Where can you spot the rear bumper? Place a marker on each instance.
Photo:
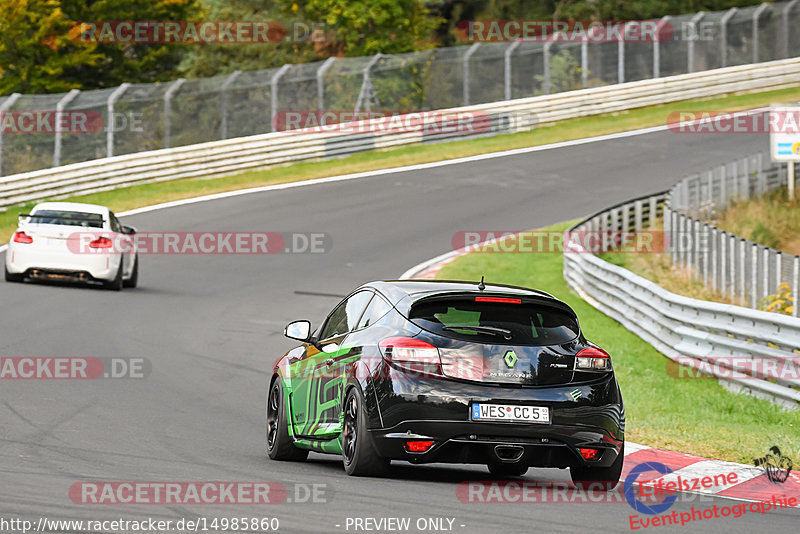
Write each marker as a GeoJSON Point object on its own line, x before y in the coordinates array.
{"type": "Point", "coordinates": [587, 415]}
{"type": "Point", "coordinates": [35, 261]}
{"type": "Point", "coordinates": [483, 443]}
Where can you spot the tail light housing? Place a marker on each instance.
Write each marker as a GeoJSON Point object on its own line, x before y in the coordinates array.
{"type": "Point", "coordinates": [22, 237]}
{"type": "Point", "coordinates": [593, 359]}
{"type": "Point", "coordinates": [101, 242]}
{"type": "Point", "coordinates": [589, 454]}
{"type": "Point", "coordinates": [412, 354]}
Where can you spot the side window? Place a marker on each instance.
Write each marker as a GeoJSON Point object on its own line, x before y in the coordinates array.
{"type": "Point", "coordinates": [115, 225]}
{"type": "Point", "coordinates": [377, 308]}
{"type": "Point", "coordinates": [346, 315]}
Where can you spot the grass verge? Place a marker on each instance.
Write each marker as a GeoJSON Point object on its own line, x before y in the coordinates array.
{"type": "Point", "coordinates": [696, 416]}
{"type": "Point", "coordinates": [147, 194]}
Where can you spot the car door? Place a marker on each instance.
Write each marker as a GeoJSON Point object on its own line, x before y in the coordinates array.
{"type": "Point", "coordinates": [316, 401]}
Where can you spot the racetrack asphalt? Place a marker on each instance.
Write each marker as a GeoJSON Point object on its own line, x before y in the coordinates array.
{"type": "Point", "coordinates": [211, 327]}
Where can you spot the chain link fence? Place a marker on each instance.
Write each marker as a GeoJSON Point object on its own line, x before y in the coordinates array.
{"type": "Point", "coordinates": [140, 117]}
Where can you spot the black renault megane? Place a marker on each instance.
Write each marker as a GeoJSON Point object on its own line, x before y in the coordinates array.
{"type": "Point", "coordinates": [454, 372]}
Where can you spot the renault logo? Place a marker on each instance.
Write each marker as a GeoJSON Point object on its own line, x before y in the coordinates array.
{"type": "Point", "coordinates": [510, 358]}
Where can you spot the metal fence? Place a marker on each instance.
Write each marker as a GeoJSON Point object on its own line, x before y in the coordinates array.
{"type": "Point", "coordinates": [724, 262]}
{"type": "Point", "coordinates": [749, 351]}
{"type": "Point", "coordinates": [141, 117]}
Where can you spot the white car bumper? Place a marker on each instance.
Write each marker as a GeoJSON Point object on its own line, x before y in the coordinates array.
{"type": "Point", "coordinates": [24, 257]}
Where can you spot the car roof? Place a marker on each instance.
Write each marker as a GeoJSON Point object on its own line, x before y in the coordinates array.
{"type": "Point", "coordinates": [404, 293]}
{"type": "Point", "coordinates": [71, 206]}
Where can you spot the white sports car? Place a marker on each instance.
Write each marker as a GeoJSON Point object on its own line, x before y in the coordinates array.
{"type": "Point", "coordinates": [72, 241]}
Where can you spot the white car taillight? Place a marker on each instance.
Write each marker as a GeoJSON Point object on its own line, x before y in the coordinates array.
{"type": "Point", "coordinates": [593, 358]}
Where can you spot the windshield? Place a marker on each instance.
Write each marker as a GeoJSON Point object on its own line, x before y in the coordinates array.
{"type": "Point", "coordinates": [495, 322]}
{"type": "Point", "coordinates": [67, 218]}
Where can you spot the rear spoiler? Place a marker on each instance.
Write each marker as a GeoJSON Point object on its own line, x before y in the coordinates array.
{"type": "Point", "coordinates": [87, 219]}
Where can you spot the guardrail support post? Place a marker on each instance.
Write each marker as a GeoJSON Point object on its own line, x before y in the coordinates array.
{"type": "Point", "coordinates": [692, 38]}
{"type": "Point", "coordinates": [168, 108]}
{"type": "Point", "coordinates": [584, 63]}
{"type": "Point", "coordinates": [465, 71]}
{"type": "Point", "coordinates": [328, 63]}
{"type": "Point", "coordinates": [778, 269]}
{"type": "Point", "coordinates": [111, 123]}
{"type": "Point", "coordinates": [273, 95]}
{"type": "Point", "coordinates": [765, 274]}
{"type": "Point", "coordinates": [507, 69]}
{"type": "Point", "coordinates": [754, 276]}
{"type": "Point", "coordinates": [621, 55]}
{"type": "Point", "coordinates": [223, 125]}
{"type": "Point", "coordinates": [714, 271]}
{"type": "Point", "coordinates": [723, 38]}
{"type": "Point", "coordinates": [757, 15]}
{"type": "Point", "coordinates": [742, 263]}
{"type": "Point", "coordinates": [7, 103]}
{"type": "Point", "coordinates": [64, 102]}
{"type": "Point", "coordinates": [732, 243]}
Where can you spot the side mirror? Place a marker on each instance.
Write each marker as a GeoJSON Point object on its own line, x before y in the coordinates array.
{"type": "Point", "coordinates": [128, 230]}
{"type": "Point", "coordinates": [299, 330]}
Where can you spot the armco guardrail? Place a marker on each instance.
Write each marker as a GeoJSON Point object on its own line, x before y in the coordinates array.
{"type": "Point", "coordinates": [262, 151]}
{"type": "Point", "coordinates": [726, 341]}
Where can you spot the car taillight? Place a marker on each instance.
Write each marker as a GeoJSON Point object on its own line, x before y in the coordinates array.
{"type": "Point", "coordinates": [593, 358]}
{"type": "Point", "coordinates": [588, 454]}
{"type": "Point", "coordinates": [22, 237]}
{"type": "Point", "coordinates": [418, 446]}
{"type": "Point", "coordinates": [412, 354]}
{"type": "Point", "coordinates": [100, 242]}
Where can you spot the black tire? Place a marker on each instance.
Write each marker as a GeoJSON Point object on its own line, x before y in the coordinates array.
{"type": "Point", "coordinates": [13, 277]}
{"type": "Point", "coordinates": [278, 441]}
{"type": "Point", "coordinates": [116, 283]}
{"type": "Point", "coordinates": [507, 470]}
{"type": "Point", "coordinates": [358, 451]}
{"type": "Point", "coordinates": [134, 279]}
{"type": "Point", "coordinates": [607, 476]}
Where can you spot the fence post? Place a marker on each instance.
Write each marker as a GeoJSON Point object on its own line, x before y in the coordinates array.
{"type": "Point", "coordinates": [223, 125]}
{"type": "Point", "coordinates": [657, 47]}
{"type": "Point", "coordinates": [746, 171]}
{"type": "Point", "coordinates": [654, 212]}
{"type": "Point", "coordinates": [778, 269]}
{"type": "Point", "coordinates": [765, 274]}
{"type": "Point", "coordinates": [621, 55]}
{"type": "Point", "coordinates": [683, 235]}
{"type": "Point", "coordinates": [168, 108]}
{"type": "Point", "coordinates": [692, 38]}
{"type": "Point", "coordinates": [723, 23]}
{"type": "Point", "coordinates": [585, 63]}
{"type": "Point", "coordinates": [64, 102]}
{"type": "Point", "coordinates": [111, 123]}
{"type": "Point", "coordinates": [697, 248]}
{"type": "Point", "coordinates": [714, 270]}
{"type": "Point", "coordinates": [320, 75]}
{"type": "Point", "coordinates": [795, 284]}
{"type": "Point", "coordinates": [742, 264]}
{"type": "Point", "coordinates": [625, 215]}
{"type": "Point", "coordinates": [723, 263]}
{"type": "Point", "coordinates": [735, 180]}
{"type": "Point", "coordinates": [723, 189]}
{"type": "Point", "coordinates": [706, 266]}
{"type": "Point", "coordinates": [507, 70]}
{"type": "Point", "coordinates": [637, 216]}
{"type": "Point", "coordinates": [7, 103]}
{"type": "Point", "coordinates": [754, 276]}
{"type": "Point", "coordinates": [273, 95]}
{"type": "Point", "coordinates": [546, 57]}
{"type": "Point", "coordinates": [786, 12]}
{"type": "Point", "coordinates": [465, 71]}
{"type": "Point", "coordinates": [756, 15]}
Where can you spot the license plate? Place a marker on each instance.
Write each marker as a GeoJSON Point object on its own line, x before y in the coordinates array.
{"type": "Point", "coordinates": [512, 413]}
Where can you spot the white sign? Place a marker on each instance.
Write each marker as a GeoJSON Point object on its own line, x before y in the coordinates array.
{"type": "Point", "coordinates": [784, 141]}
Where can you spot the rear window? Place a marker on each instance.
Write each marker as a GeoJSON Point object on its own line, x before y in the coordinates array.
{"type": "Point", "coordinates": [67, 218]}
{"type": "Point", "coordinates": [495, 322]}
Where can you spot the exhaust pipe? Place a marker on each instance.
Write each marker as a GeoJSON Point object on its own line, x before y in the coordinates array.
{"type": "Point", "coordinates": [508, 453]}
